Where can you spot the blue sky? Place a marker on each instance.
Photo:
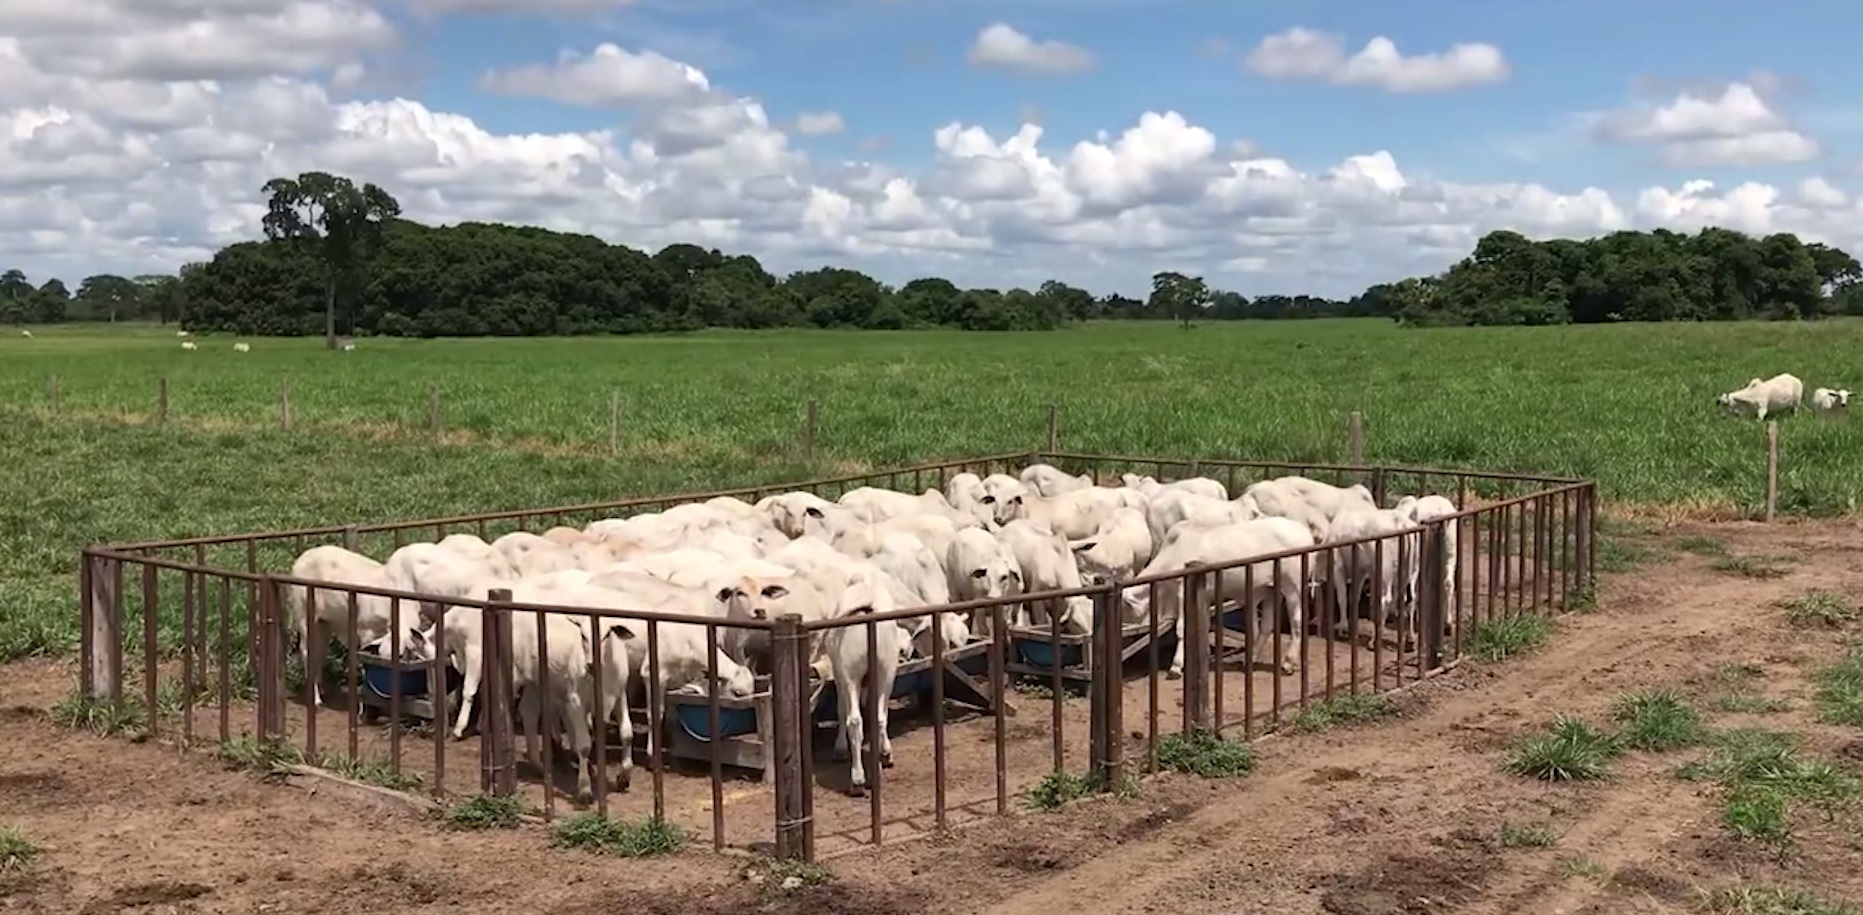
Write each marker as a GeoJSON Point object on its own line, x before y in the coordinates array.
{"type": "Point", "coordinates": [1642, 100]}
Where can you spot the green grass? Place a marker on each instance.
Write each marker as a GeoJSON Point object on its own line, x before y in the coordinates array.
{"type": "Point", "coordinates": [593, 832]}
{"type": "Point", "coordinates": [1205, 754]}
{"type": "Point", "coordinates": [1734, 690]}
{"type": "Point", "coordinates": [1756, 567]}
{"type": "Point", "coordinates": [1701, 546]}
{"type": "Point", "coordinates": [483, 811]}
{"type": "Point", "coordinates": [1527, 835]}
{"type": "Point", "coordinates": [1581, 866]}
{"type": "Point", "coordinates": [1826, 609]}
{"type": "Point", "coordinates": [1763, 777]}
{"type": "Point", "coordinates": [1500, 639]}
{"type": "Point", "coordinates": [17, 853]}
{"type": "Point", "coordinates": [372, 770]}
{"type": "Point", "coordinates": [99, 716]}
{"type": "Point", "coordinates": [1748, 899]}
{"type": "Point", "coordinates": [1839, 695]}
{"type": "Point", "coordinates": [528, 421]}
{"type": "Point", "coordinates": [1571, 750]}
{"type": "Point", "coordinates": [1060, 787]}
{"type": "Point", "coordinates": [1656, 721]}
{"type": "Point", "coordinates": [1343, 710]}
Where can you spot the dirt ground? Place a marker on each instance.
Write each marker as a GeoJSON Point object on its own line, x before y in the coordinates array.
{"type": "Point", "coordinates": [1400, 817]}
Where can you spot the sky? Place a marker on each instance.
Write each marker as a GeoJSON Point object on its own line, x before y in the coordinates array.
{"type": "Point", "coordinates": [1270, 146]}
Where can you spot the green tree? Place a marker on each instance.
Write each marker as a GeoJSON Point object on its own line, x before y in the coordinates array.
{"type": "Point", "coordinates": [108, 295]}
{"type": "Point", "coordinates": [1175, 295]}
{"type": "Point", "coordinates": [51, 301]}
{"type": "Point", "coordinates": [335, 220]}
{"type": "Point", "coordinates": [14, 293]}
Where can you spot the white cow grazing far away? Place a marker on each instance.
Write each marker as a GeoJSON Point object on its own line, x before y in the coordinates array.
{"type": "Point", "coordinates": [1773, 396]}
{"type": "Point", "coordinates": [189, 345]}
{"type": "Point", "coordinates": [26, 333]}
{"type": "Point", "coordinates": [1830, 399]}
{"type": "Point", "coordinates": [242, 347]}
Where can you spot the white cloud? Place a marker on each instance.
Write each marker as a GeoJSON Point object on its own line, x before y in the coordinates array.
{"type": "Point", "coordinates": [104, 170]}
{"type": "Point", "coordinates": [609, 75]}
{"type": "Point", "coordinates": [1734, 126]}
{"type": "Point", "coordinates": [819, 123]}
{"type": "Point", "coordinates": [521, 6]}
{"type": "Point", "coordinates": [1000, 46]}
{"type": "Point", "coordinates": [1301, 54]}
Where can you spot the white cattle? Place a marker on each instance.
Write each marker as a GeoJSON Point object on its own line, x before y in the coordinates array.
{"type": "Point", "coordinates": [861, 540]}
{"type": "Point", "coordinates": [1435, 508]}
{"type": "Point", "coordinates": [429, 568]}
{"type": "Point", "coordinates": [1119, 549]}
{"type": "Point", "coordinates": [1204, 545]}
{"type": "Point", "coordinates": [788, 510]}
{"type": "Point", "coordinates": [1000, 490]}
{"type": "Point", "coordinates": [242, 347]}
{"type": "Point", "coordinates": [685, 566]}
{"type": "Point", "coordinates": [565, 536]}
{"type": "Point", "coordinates": [1049, 480]}
{"type": "Point", "coordinates": [912, 563]}
{"type": "Point", "coordinates": [760, 598]}
{"type": "Point", "coordinates": [965, 492]}
{"type": "Point", "coordinates": [1072, 515]}
{"type": "Point", "coordinates": [856, 672]}
{"type": "Point", "coordinates": [1387, 566]}
{"type": "Point", "coordinates": [1150, 487]}
{"type": "Point", "coordinates": [1172, 507]}
{"type": "Point", "coordinates": [872, 504]}
{"type": "Point", "coordinates": [979, 568]}
{"type": "Point", "coordinates": [189, 345]}
{"type": "Point", "coordinates": [529, 554]}
{"type": "Point", "coordinates": [339, 566]}
{"type": "Point", "coordinates": [181, 333]}
{"type": "Point", "coordinates": [1775, 395]}
{"type": "Point", "coordinates": [1047, 565]}
{"type": "Point", "coordinates": [1309, 502]}
{"type": "Point", "coordinates": [26, 333]}
{"type": "Point", "coordinates": [1829, 399]}
{"type": "Point", "coordinates": [349, 347]}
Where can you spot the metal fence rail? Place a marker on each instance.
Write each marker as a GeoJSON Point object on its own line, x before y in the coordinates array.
{"type": "Point", "coordinates": [202, 630]}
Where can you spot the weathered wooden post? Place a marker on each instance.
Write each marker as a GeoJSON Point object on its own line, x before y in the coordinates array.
{"type": "Point", "coordinates": [1772, 470]}
{"type": "Point", "coordinates": [788, 646]}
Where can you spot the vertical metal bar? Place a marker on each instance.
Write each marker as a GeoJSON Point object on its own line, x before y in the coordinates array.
{"type": "Point", "coordinates": [394, 688]}
{"type": "Point", "coordinates": [437, 691]}
{"type": "Point", "coordinates": [226, 659]}
{"type": "Point", "coordinates": [1496, 519]}
{"type": "Point", "coordinates": [1378, 616]}
{"type": "Point", "coordinates": [597, 678]}
{"type": "Point", "coordinates": [656, 708]}
{"type": "Point", "coordinates": [876, 732]}
{"type": "Point", "coordinates": [1328, 623]}
{"type": "Point", "coordinates": [314, 657]}
{"type": "Point", "coordinates": [1521, 595]}
{"type": "Point", "coordinates": [937, 684]}
{"type": "Point", "coordinates": [1055, 688]}
{"type": "Point", "coordinates": [1219, 649]}
{"type": "Point", "coordinates": [999, 688]}
{"type": "Point", "coordinates": [1151, 680]}
{"type": "Point", "coordinates": [1306, 619]}
{"type": "Point", "coordinates": [711, 745]}
{"type": "Point", "coordinates": [541, 644]}
{"type": "Point", "coordinates": [1350, 598]}
{"type": "Point", "coordinates": [1565, 548]}
{"type": "Point", "coordinates": [1054, 428]}
{"type": "Point", "coordinates": [352, 690]}
{"type": "Point", "coordinates": [187, 657]}
{"type": "Point", "coordinates": [1274, 663]}
{"type": "Point", "coordinates": [150, 602]}
{"type": "Point", "coordinates": [87, 626]}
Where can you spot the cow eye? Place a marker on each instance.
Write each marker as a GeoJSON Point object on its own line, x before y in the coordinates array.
{"type": "Point", "coordinates": [775, 592]}
{"type": "Point", "coordinates": [979, 573]}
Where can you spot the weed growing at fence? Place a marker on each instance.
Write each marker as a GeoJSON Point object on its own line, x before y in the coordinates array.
{"type": "Point", "coordinates": [1840, 690]}
{"type": "Point", "coordinates": [1058, 788]}
{"type": "Point", "coordinates": [371, 770]}
{"type": "Point", "coordinates": [1762, 775]}
{"type": "Point", "coordinates": [17, 853]}
{"type": "Point", "coordinates": [98, 716]}
{"type": "Point", "coordinates": [1656, 720]}
{"type": "Point", "coordinates": [1527, 835]}
{"type": "Point", "coordinates": [1734, 686]}
{"type": "Point", "coordinates": [1582, 866]}
{"type": "Point", "coordinates": [1748, 899]}
{"type": "Point", "coordinates": [1824, 609]}
{"type": "Point", "coordinates": [1756, 567]}
{"type": "Point", "coordinates": [483, 811]}
{"type": "Point", "coordinates": [1571, 750]}
{"type": "Point", "coordinates": [1500, 639]}
{"type": "Point", "coordinates": [269, 755]}
{"type": "Point", "coordinates": [593, 832]}
{"type": "Point", "coordinates": [1206, 754]}
{"type": "Point", "coordinates": [785, 874]}
{"type": "Point", "coordinates": [1343, 710]}
{"type": "Point", "coordinates": [1700, 545]}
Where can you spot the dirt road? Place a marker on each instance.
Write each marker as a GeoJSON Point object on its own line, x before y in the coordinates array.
{"type": "Point", "coordinates": [1402, 817]}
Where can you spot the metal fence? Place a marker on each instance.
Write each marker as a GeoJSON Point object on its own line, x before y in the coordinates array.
{"type": "Point", "coordinates": [201, 626]}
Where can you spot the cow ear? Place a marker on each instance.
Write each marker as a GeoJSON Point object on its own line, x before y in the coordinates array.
{"type": "Point", "coordinates": [1083, 545]}
{"type": "Point", "coordinates": [724, 595]}
{"type": "Point", "coordinates": [621, 629]}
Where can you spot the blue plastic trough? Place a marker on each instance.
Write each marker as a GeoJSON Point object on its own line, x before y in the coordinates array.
{"type": "Point", "coordinates": [696, 719]}
{"type": "Point", "coordinates": [379, 678]}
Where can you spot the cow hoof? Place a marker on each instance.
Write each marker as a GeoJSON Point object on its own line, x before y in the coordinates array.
{"type": "Point", "coordinates": [857, 791]}
{"type": "Point", "coordinates": [1174, 674]}
{"type": "Point", "coordinates": [886, 762]}
{"type": "Point", "coordinates": [838, 754]}
{"type": "Point", "coordinates": [1289, 669]}
{"type": "Point", "coordinates": [624, 781]}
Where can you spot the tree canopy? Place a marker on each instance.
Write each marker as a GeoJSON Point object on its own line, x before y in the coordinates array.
{"type": "Point", "coordinates": [337, 257]}
{"type": "Point", "coordinates": [1712, 275]}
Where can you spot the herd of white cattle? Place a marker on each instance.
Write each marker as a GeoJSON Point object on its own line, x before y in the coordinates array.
{"type": "Point", "coordinates": [1781, 394]}
{"type": "Point", "coordinates": [872, 551]}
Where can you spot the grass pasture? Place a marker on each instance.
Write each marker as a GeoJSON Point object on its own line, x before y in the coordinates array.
{"type": "Point", "coordinates": [527, 419]}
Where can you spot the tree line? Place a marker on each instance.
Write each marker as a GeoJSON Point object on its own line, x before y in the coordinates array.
{"type": "Point", "coordinates": [1712, 275]}
{"type": "Point", "coordinates": [338, 258]}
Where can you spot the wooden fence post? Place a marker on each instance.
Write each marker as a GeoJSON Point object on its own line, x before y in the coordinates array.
{"type": "Point", "coordinates": [1108, 692]}
{"type": "Point", "coordinates": [1355, 439]}
{"type": "Point", "coordinates": [105, 628]}
{"type": "Point", "coordinates": [51, 394]}
{"type": "Point", "coordinates": [786, 733]}
{"type": "Point", "coordinates": [499, 756]}
{"type": "Point", "coordinates": [284, 404]}
{"type": "Point", "coordinates": [614, 422]}
{"type": "Point", "coordinates": [433, 409]}
{"type": "Point", "coordinates": [1772, 470]}
{"type": "Point", "coordinates": [1196, 620]}
{"type": "Point", "coordinates": [809, 417]}
{"type": "Point", "coordinates": [1054, 428]}
{"type": "Point", "coordinates": [161, 399]}
{"type": "Point", "coordinates": [1431, 599]}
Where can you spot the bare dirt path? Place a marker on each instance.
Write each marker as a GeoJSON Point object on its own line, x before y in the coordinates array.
{"type": "Point", "coordinates": [1402, 817]}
